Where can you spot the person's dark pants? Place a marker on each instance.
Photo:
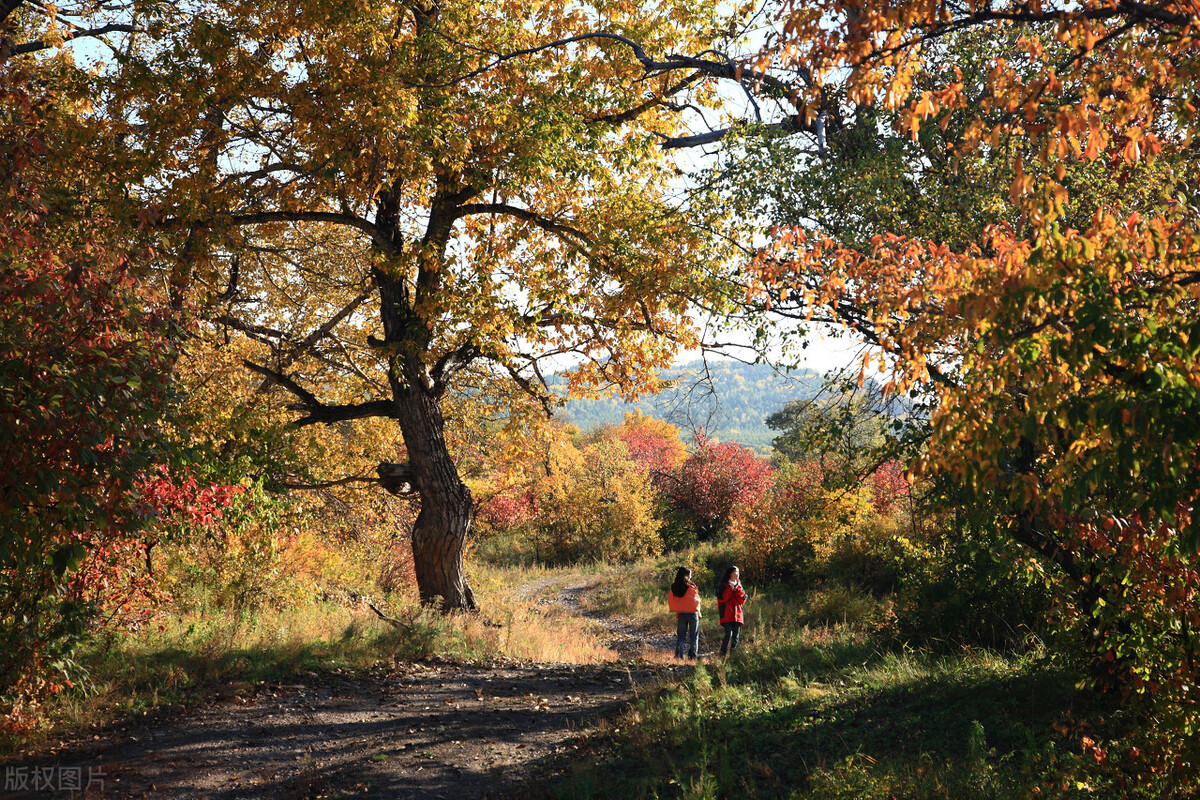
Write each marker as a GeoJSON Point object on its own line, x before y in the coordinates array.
{"type": "Point", "coordinates": [687, 627]}
{"type": "Point", "coordinates": [732, 631]}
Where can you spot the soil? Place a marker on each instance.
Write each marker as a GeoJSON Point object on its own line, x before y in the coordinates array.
{"type": "Point", "coordinates": [417, 730]}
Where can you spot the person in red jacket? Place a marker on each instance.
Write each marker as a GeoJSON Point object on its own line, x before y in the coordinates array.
{"type": "Point", "coordinates": [732, 597]}
{"type": "Point", "coordinates": [684, 599]}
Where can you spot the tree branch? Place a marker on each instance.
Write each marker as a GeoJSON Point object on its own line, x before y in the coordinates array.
{"type": "Point", "coordinates": [544, 223]}
{"type": "Point", "coordinates": [397, 478]}
{"type": "Point", "coordinates": [329, 484]}
{"type": "Point", "coordinates": [528, 387]}
{"type": "Point", "coordinates": [366, 226]}
{"type": "Point", "coordinates": [725, 68]}
{"type": "Point", "coordinates": [318, 411]}
{"type": "Point", "coordinates": [453, 362]}
{"type": "Point", "coordinates": [41, 44]}
{"type": "Point", "coordinates": [622, 117]}
{"type": "Point", "coordinates": [792, 124]}
{"type": "Point", "coordinates": [7, 7]}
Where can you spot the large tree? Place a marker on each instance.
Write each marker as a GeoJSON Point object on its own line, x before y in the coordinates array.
{"type": "Point", "coordinates": [1056, 343]}
{"type": "Point", "coordinates": [1065, 317]}
{"type": "Point", "coordinates": [487, 182]}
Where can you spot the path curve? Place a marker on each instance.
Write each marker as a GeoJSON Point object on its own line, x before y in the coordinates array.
{"type": "Point", "coordinates": [627, 639]}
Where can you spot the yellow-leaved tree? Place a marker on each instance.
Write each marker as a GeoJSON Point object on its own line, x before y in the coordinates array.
{"type": "Point", "coordinates": [397, 199]}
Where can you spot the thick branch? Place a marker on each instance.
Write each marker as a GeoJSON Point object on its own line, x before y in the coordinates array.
{"type": "Point", "coordinates": [453, 362]}
{"type": "Point", "coordinates": [724, 68]}
{"type": "Point", "coordinates": [318, 411]}
{"type": "Point", "coordinates": [349, 220]}
{"type": "Point", "coordinates": [397, 478]}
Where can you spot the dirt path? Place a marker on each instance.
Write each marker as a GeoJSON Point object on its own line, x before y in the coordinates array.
{"type": "Point", "coordinates": [628, 640]}
{"type": "Point", "coordinates": [437, 730]}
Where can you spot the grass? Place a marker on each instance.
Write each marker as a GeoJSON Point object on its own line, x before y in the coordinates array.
{"type": "Point", "coordinates": [822, 702]}
{"type": "Point", "coordinates": [179, 659]}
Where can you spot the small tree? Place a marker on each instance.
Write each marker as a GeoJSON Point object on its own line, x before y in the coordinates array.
{"type": "Point", "coordinates": [717, 481]}
{"type": "Point", "coordinates": [594, 504]}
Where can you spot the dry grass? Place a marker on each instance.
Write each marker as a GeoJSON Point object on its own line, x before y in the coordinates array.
{"type": "Point", "coordinates": [516, 625]}
{"type": "Point", "coordinates": [183, 656]}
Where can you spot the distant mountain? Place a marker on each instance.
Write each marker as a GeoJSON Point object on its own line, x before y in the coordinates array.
{"type": "Point", "coordinates": [732, 405]}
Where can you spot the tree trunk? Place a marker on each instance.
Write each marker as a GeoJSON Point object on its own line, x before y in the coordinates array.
{"type": "Point", "coordinates": [440, 532]}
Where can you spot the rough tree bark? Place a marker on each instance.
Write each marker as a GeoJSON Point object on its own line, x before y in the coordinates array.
{"type": "Point", "coordinates": [440, 533]}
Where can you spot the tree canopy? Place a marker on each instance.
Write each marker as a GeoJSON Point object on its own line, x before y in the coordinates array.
{"type": "Point", "coordinates": [390, 201]}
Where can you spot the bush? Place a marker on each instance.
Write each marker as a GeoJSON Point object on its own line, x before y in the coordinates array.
{"type": "Point", "coordinates": [874, 556]}
{"type": "Point", "coordinates": [235, 564]}
{"type": "Point", "coordinates": [594, 505]}
{"type": "Point", "coordinates": [976, 590]}
{"type": "Point", "coordinates": [792, 529]}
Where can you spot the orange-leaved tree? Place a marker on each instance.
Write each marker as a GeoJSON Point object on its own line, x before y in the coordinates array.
{"type": "Point", "coordinates": [1057, 350]}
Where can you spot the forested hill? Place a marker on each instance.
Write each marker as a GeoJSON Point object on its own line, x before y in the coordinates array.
{"type": "Point", "coordinates": [733, 409]}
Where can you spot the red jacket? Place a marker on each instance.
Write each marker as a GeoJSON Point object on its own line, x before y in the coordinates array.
{"type": "Point", "coordinates": [688, 604]}
{"type": "Point", "coordinates": [734, 597]}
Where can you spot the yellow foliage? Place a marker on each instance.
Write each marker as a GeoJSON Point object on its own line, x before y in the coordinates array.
{"type": "Point", "coordinates": [594, 504]}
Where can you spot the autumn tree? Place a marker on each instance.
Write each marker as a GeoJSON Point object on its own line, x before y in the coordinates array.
{"type": "Point", "coordinates": [85, 355]}
{"type": "Point", "coordinates": [457, 187]}
{"type": "Point", "coordinates": [986, 329]}
{"type": "Point", "coordinates": [655, 445]}
{"type": "Point", "coordinates": [716, 482]}
{"type": "Point", "coordinates": [593, 503]}
{"type": "Point", "coordinates": [1055, 349]}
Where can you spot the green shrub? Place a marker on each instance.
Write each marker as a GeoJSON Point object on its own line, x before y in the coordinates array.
{"type": "Point", "coordinates": [979, 590]}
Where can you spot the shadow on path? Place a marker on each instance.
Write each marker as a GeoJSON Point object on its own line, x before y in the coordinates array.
{"type": "Point", "coordinates": [418, 730]}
